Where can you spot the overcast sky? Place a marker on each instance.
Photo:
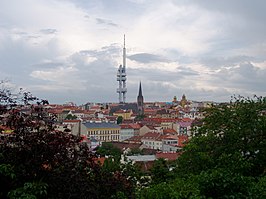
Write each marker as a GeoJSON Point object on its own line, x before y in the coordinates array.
{"type": "Point", "coordinates": [69, 50]}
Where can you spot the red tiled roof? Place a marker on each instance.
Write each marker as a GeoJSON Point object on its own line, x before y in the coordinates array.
{"type": "Point", "coordinates": [125, 126]}
{"type": "Point", "coordinates": [168, 156]}
{"type": "Point", "coordinates": [151, 136]}
{"type": "Point", "coordinates": [135, 126]}
{"type": "Point", "coordinates": [134, 139]}
{"type": "Point", "coordinates": [84, 139]}
{"type": "Point", "coordinates": [182, 139]}
{"type": "Point", "coordinates": [129, 126]}
{"type": "Point", "coordinates": [71, 121]}
{"type": "Point", "coordinates": [186, 120]}
{"type": "Point", "coordinates": [169, 131]}
{"type": "Point", "coordinates": [160, 120]}
{"type": "Point", "coordinates": [100, 160]}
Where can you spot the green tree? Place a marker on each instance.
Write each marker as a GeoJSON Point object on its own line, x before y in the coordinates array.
{"type": "Point", "coordinates": [224, 159]}
{"type": "Point", "coordinates": [227, 155]}
{"type": "Point", "coordinates": [160, 171]}
{"type": "Point", "coordinates": [232, 136]}
{"type": "Point", "coordinates": [37, 161]}
{"type": "Point", "coordinates": [108, 149]}
{"type": "Point", "coordinates": [71, 117]}
{"type": "Point", "coordinates": [119, 119]}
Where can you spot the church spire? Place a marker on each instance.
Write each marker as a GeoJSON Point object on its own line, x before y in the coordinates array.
{"type": "Point", "coordinates": [140, 90]}
{"type": "Point", "coordinates": [140, 101]}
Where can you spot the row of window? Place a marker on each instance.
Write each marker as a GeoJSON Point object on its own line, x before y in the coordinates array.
{"type": "Point", "coordinates": [107, 137]}
{"type": "Point", "coordinates": [152, 143]}
{"type": "Point", "coordinates": [103, 132]}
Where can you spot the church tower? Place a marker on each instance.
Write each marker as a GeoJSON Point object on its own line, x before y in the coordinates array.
{"type": "Point", "coordinates": [183, 101]}
{"type": "Point", "coordinates": [140, 101]}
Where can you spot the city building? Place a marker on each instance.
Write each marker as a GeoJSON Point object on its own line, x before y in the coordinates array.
{"type": "Point", "coordinates": [101, 131]}
{"type": "Point", "coordinates": [126, 132]}
{"type": "Point", "coordinates": [126, 114]}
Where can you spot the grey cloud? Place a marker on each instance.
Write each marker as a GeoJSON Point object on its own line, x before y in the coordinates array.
{"type": "Point", "coordinates": [47, 65]}
{"type": "Point", "coordinates": [244, 78]}
{"type": "Point", "coordinates": [162, 75]}
{"type": "Point", "coordinates": [48, 31]}
{"type": "Point", "coordinates": [106, 22]}
{"type": "Point", "coordinates": [111, 50]}
{"type": "Point", "coordinates": [217, 62]}
{"type": "Point", "coordinates": [92, 81]}
{"type": "Point", "coordinates": [18, 59]}
{"type": "Point", "coordinates": [160, 91]}
{"type": "Point", "coordinates": [246, 8]}
{"type": "Point", "coordinates": [147, 58]}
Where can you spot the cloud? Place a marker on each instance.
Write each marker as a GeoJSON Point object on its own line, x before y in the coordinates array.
{"type": "Point", "coordinates": [245, 77]}
{"type": "Point", "coordinates": [147, 58]}
{"type": "Point", "coordinates": [71, 49]}
{"type": "Point", "coordinates": [48, 31]}
{"type": "Point", "coordinates": [105, 22]}
{"type": "Point", "coordinates": [55, 74]}
{"type": "Point", "coordinates": [218, 62]}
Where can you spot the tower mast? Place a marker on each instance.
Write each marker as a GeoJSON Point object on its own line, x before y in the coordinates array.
{"type": "Point", "coordinates": [121, 77]}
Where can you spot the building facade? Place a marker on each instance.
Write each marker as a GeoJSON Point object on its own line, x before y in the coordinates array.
{"type": "Point", "coordinates": [101, 131]}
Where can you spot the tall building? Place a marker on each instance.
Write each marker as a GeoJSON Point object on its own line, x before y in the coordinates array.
{"type": "Point", "coordinates": [140, 101]}
{"type": "Point", "coordinates": [122, 77]}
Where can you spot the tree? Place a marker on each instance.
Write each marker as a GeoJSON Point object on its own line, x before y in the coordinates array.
{"type": "Point", "coordinates": [119, 119]}
{"type": "Point", "coordinates": [232, 136]}
{"type": "Point", "coordinates": [160, 171]}
{"type": "Point", "coordinates": [224, 159]}
{"type": "Point", "coordinates": [36, 161]}
{"type": "Point", "coordinates": [71, 117]}
{"type": "Point", "coordinates": [227, 155]}
{"type": "Point", "coordinates": [108, 149]}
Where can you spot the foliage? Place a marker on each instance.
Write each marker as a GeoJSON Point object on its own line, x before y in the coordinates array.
{"type": "Point", "coordinates": [71, 117]}
{"type": "Point", "coordinates": [135, 151]}
{"type": "Point", "coordinates": [29, 191]}
{"type": "Point", "coordinates": [177, 188]}
{"type": "Point", "coordinates": [160, 172]}
{"type": "Point", "coordinates": [225, 158]}
{"type": "Point", "coordinates": [140, 117]}
{"type": "Point", "coordinates": [232, 136]}
{"type": "Point", "coordinates": [37, 161]}
{"type": "Point", "coordinates": [119, 119]}
{"type": "Point", "coordinates": [108, 149]}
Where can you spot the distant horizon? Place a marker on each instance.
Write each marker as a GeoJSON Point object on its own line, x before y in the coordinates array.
{"type": "Point", "coordinates": [131, 102]}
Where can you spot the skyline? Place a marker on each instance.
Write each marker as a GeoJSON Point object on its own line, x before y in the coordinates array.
{"type": "Point", "coordinates": [70, 50]}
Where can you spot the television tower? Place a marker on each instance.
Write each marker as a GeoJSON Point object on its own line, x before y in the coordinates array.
{"type": "Point", "coordinates": [122, 77]}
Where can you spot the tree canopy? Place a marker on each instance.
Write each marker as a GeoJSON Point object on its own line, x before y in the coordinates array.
{"type": "Point", "coordinates": [225, 158]}
{"type": "Point", "coordinates": [37, 161]}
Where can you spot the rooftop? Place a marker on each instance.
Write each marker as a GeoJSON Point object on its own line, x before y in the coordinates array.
{"type": "Point", "coordinates": [100, 125]}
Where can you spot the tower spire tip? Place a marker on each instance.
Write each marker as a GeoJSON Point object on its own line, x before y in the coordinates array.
{"type": "Point", "coordinates": [124, 40]}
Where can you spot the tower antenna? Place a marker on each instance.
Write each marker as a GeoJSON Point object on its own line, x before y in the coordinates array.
{"type": "Point", "coordinates": [122, 77]}
{"type": "Point", "coordinates": [124, 41]}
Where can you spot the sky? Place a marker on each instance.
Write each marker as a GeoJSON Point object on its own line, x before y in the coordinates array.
{"type": "Point", "coordinates": [70, 50]}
